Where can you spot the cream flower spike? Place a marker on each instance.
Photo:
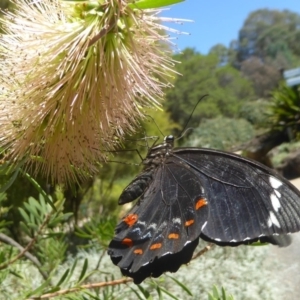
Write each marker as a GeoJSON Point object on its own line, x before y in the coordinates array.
{"type": "Point", "coordinates": [75, 77]}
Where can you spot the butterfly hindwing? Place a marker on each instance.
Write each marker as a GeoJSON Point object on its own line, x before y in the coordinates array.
{"type": "Point", "coordinates": [160, 228]}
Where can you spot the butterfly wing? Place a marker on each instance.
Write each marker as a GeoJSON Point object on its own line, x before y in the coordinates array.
{"type": "Point", "coordinates": [162, 230]}
{"type": "Point", "coordinates": [247, 200]}
{"type": "Point", "coordinates": [192, 193]}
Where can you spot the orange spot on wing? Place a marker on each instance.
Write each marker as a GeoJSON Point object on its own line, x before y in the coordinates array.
{"type": "Point", "coordinates": [200, 203]}
{"type": "Point", "coordinates": [138, 251]}
{"type": "Point", "coordinates": [127, 242]}
{"type": "Point", "coordinates": [174, 236]}
{"type": "Point", "coordinates": [131, 219]}
{"type": "Point", "coordinates": [189, 223]}
{"type": "Point", "coordinates": [155, 246]}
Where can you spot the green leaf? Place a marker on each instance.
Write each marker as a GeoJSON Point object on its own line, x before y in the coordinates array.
{"type": "Point", "coordinates": [81, 233]}
{"type": "Point", "coordinates": [15, 274]}
{"type": "Point", "coordinates": [55, 220]}
{"type": "Point", "coordinates": [32, 208]}
{"type": "Point", "coordinates": [72, 269]}
{"type": "Point", "coordinates": [210, 297]}
{"type": "Point", "coordinates": [160, 296]}
{"type": "Point", "coordinates": [137, 294]}
{"type": "Point", "coordinates": [185, 288]}
{"type": "Point", "coordinates": [215, 292]}
{"type": "Point", "coordinates": [39, 290]}
{"type": "Point", "coordinates": [11, 180]}
{"type": "Point", "coordinates": [40, 190]}
{"type": "Point", "coordinates": [257, 244]}
{"type": "Point", "coordinates": [216, 296]}
{"type": "Point", "coordinates": [144, 292]}
{"type": "Point", "coordinates": [24, 215]}
{"type": "Point", "coordinates": [146, 4]}
{"type": "Point", "coordinates": [25, 228]}
{"type": "Point", "coordinates": [32, 225]}
{"type": "Point", "coordinates": [169, 294]}
{"type": "Point", "coordinates": [4, 224]}
{"type": "Point", "coordinates": [63, 277]}
{"type": "Point", "coordinates": [2, 197]}
{"type": "Point", "coordinates": [224, 297]}
{"type": "Point", "coordinates": [52, 290]}
{"type": "Point", "coordinates": [83, 271]}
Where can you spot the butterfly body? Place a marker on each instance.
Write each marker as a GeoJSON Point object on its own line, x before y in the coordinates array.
{"type": "Point", "coordinates": [191, 193]}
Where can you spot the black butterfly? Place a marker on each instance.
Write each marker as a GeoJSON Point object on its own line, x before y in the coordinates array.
{"type": "Point", "coordinates": [191, 193]}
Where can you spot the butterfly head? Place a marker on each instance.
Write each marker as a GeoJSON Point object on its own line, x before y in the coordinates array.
{"type": "Point", "coordinates": [169, 139]}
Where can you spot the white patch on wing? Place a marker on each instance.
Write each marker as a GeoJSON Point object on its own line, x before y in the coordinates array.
{"type": "Point", "coordinates": [275, 202]}
{"type": "Point", "coordinates": [176, 220]}
{"type": "Point", "coordinates": [163, 224]}
{"type": "Point", "coordinates": [277, 193]}
{"type": "Point", "coordinates": [275, 183]}
{"type": "Point", "coordinates": [203, 226]}
{"type": "Point", "coordinates": [141, 223]}
{"type": "Point", "coordinates": [152, 226]}
{"type": "Point", "coordinates": [273, 220]}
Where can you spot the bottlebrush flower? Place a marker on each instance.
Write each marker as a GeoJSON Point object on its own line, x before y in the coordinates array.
{"type": "Point", "coordinates": [74, 78]}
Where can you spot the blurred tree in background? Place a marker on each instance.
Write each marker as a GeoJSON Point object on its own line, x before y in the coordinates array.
{"type": "Point", "coordinates": [203, 75]}
{"type": "Point", "coordinates": [264, 77]}
{"type": "Point", "coordinates": [270, 35]}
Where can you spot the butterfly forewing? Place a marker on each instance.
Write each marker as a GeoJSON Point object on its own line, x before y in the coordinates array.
{"type": "Point", "coordinates": [247, 200]}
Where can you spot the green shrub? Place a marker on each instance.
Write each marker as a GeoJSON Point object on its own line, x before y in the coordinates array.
{"type": "Point", "coordinates": [221, 133]}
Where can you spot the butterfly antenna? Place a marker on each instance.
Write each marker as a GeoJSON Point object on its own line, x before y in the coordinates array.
{"type": "Point", "coordinates": [184, 133]}
{"type": "Point", "coordinates": [184, 130]}
{"type": "Point", "coordinates": [156, 125]}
